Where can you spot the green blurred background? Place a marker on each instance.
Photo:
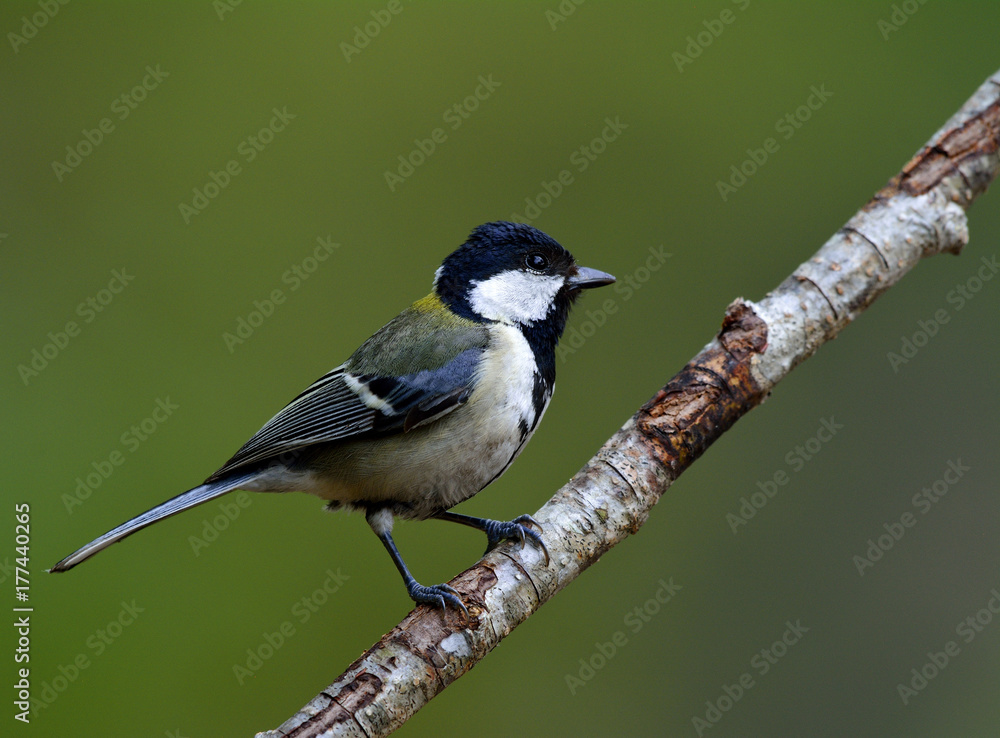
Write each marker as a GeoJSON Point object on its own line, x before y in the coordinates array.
{"type": "Point", "coordinates": [553, 82]}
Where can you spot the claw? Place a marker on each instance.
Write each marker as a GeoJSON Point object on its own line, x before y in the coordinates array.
{"type": "Point", "coordinates": [522, 519]}
{"type": "Point", "coordinates": [441, 595]}
{"type": "Point", "coordinates": [517, 529]}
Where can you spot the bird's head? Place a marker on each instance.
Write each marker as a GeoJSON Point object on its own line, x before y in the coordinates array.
{"type": "Point", "coordinates": [513, 273]}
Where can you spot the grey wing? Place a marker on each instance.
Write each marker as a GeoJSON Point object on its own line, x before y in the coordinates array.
{"type": "Point", "coordinates": [328, 410]}
{"type": "Point", "coordinates": [420, 398]}
{"type": "Point", "coordinates": [341, 406]}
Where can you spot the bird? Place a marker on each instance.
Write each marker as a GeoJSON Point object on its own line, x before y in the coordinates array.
{"type": "Point", "coordinates": [430, 410]}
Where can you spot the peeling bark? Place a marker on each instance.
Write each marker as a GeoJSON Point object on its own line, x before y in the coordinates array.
{"type": "Point", "coordinates": [919, 213]}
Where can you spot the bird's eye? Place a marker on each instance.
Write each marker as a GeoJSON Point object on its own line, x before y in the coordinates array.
{"type": "Point", "coordinates": [536, 261]}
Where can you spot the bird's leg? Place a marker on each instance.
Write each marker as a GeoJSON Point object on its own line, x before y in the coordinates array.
{"type": "Point", "coordinates": [441, 595]}
{"type": "Point", "coordinates": [497, 530]}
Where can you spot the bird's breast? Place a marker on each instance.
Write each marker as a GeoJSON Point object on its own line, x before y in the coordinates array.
{"type": "Point", "coordinates": [507, 383]}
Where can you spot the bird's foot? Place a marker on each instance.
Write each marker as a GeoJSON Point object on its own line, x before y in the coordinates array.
{"type": "Point", "coordinates": [437, 595]}
{"type": "Point", "coordinates": [518, 529]}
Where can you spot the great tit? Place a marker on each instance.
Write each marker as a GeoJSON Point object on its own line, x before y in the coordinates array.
{"type": "Point", "coordinates": [430, 410]}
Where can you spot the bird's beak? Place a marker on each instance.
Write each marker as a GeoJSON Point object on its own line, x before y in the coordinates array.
{"type": "Point", "coordinates": [585, 278]}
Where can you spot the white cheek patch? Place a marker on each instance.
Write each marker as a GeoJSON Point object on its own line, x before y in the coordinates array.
{"type": "Point", "coordinates": [515, 296]}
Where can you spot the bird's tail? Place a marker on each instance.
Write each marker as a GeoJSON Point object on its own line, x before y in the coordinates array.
{"type": "Point", "coordinates": [181, 502]}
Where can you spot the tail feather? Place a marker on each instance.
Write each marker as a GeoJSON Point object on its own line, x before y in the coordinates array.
{"type": "Point", "coordinates": [181, 502]}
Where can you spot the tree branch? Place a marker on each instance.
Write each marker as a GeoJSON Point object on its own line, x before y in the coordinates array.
{"type": "Point", "coordinates": [919, 213]}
